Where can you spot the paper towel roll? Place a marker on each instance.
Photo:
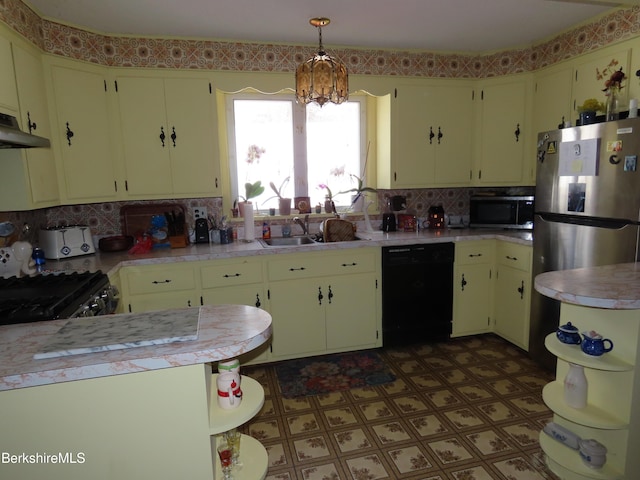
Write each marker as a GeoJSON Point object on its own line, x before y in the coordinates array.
{"type": "Point", "coordinates": [249, 227]}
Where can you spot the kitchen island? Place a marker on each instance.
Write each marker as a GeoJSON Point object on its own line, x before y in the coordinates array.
{"type": "Point", "coordinates": [607, 300]}
{"type": "Point", "coordinates": [146, 412]}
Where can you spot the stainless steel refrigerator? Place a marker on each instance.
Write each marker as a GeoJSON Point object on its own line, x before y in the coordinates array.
{"type": "Point", "coordinates": [587, 209]}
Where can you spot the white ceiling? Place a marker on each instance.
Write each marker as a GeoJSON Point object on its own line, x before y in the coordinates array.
{"type": "Point", "coordinates": [433, 25]}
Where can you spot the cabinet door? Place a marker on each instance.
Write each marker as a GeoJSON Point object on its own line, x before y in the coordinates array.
{"type": "Point", "coordinates": [34, 115]}
{"type": "Point", "coordinates": [589, 80]}
{"type": "Point", "coordinates": [149, 303]}
{"type": "Point", "coordinates": [351, 311]}
{"type": "Point", "coordinates": [143, 121]}
{"type": "Point", "coordinates": [195, 169]}
{"type": "Point", "coordinates": [252, 295]}
{"type": "Point", "coordinates": [503, 133]}
{"type": "Point", "coordinates": [8, 94]}
{"type": "Point", "coordinates": [432, 136]}
{"type": "Point", "coordinates": [472, 289]}
{"type": "Point", "coordinates": [513, 289]}
{"type": "Point", "coordinates": [298, 318]}
{"type": "Point", "coordinates": [82, 133]}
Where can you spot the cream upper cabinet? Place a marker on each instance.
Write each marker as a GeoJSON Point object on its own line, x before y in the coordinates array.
{"type": "Point", "coordinates": [8, 93]}
{"type": "Point", "coordinates": [503, 138]}
{"type": "Point", "coordinates": [430, 136]}
{"type": "Point", "coordinates": [81, 139]}
{"type": "Point", "coordinates": [552, 100]}
{"type": "Point", "coordinates": [592, 71]}
{"type": "Point", "coordinates": [169, 136]}
{"type": "Point", "coordinates": [34, 116]}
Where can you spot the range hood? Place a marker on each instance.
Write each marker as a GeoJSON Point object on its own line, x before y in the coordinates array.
{"type": "Point", "coordinates": [12, 137]}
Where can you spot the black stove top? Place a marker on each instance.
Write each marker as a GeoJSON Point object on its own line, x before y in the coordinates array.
{"type": "Point", "coordinates": [47, 296]}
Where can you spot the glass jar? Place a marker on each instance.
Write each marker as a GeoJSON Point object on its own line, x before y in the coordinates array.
{"type": "Point", "coordinates": [614, 104]}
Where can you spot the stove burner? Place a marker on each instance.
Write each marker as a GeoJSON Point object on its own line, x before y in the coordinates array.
{"type": "Point", "coordinates": [54, 296]}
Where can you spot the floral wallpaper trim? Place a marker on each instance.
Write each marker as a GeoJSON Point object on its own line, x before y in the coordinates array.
{"type": "Point", "coordinates": [123, 51]}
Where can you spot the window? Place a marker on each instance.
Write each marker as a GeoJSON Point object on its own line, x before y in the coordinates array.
{"type": "Point", "coordinates": [272, 139]}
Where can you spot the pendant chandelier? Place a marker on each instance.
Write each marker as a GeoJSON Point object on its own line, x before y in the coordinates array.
{"type": "Point", "coordinates": [321, 79]}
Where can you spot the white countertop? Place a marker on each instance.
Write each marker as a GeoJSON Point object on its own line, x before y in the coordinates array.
{"type": "Point", "coordinates": [110, 263]}
{"type": "Point", "coordinates": [615, 287]}
{"type": "Point", "coordinates": [224, 331]}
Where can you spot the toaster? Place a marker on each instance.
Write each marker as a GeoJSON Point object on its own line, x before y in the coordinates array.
{"type": "Point", "coordinates": [66, 242]}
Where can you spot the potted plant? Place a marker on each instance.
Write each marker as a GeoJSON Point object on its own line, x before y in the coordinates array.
{"type": "Point", "coordinates": [251, 190]}
{"type": "Point", "coordinates": [284, 206]}
{"type": "Point", "coordinates": [357, 200]}
{"type": "Point", "coordinates": [589, 109]}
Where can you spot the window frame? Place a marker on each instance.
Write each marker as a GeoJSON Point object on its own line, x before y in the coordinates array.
{"type": "Point", "coordinates": [299, 147]}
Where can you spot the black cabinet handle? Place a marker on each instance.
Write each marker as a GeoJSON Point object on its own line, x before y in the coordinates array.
{"type": "Point", "coordinates": [293, 269]}
{"type": "Point", "coordinates": [517, 132]}
{"type": "Point", "coordinates": [69, 134]}
{"type": "Point", "coordinates": [226, 275]}
{"type": "Point", "coordinates": [173, 136]}
{"type": "Point", "coordinates": [431, 135]}
{"type": "Point", "coordinates": [161, 281]}
{"type": "Point", "coordinates": [32, 125]}
{"type": "Point", "coordinates": [508, 257]}
{"type": "Point", "coordinates": [352, 264]}
{"type": "Point", "coordinates": [463, 283]}
{"type": "Point", "coordinates": [320, 297]}
{"type": "Point", "coordinates": [440, 135]}
{"type": "Point", "coordinates": [330, 294]}
{"type": "Point", "coordinates": [521, 290]}
{"type": "Point", "coordinates": [258, 300]}
{"type": "Point", "coordinates": [162, 136]}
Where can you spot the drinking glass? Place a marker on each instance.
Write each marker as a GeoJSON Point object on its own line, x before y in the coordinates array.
{"type": "Point", "coordinates": [225, 453]}
{"type": "Point", "coordinates": [233, 439]}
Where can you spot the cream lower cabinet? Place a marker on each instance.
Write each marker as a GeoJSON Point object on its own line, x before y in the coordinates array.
{"type": "Point", "coordinates": [473, 287]}
{"type": "Point", "coordinates": [155, 425]}
{"type": "Point", "coordinates": [159, 287]}
{"type": "Point", "coordinates": [324, 302]}
{"type": "Point", "coordinates": [235, 281]}
{"type": "Point", "coordinates": [513, 292]}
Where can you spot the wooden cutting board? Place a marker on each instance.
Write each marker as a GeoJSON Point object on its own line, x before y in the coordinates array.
{"type": "Point", "coordinates": [337, 230]}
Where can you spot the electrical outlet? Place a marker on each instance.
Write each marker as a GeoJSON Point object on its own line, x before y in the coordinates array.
{"type": "Point", "coordinates": [199, 212]}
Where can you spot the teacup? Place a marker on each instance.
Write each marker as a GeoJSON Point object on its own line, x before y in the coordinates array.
{"type": "Point", "coordinates": [593, 344]}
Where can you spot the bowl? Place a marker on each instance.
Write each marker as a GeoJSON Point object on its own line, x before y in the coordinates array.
{"type": "Point", "coordinates": [117, 243]}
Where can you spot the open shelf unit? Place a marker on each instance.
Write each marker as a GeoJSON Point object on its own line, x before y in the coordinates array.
{"type": "Point", "coordinates": [611, 416]}
{"type": "Point", "coordinates": [253, 456]}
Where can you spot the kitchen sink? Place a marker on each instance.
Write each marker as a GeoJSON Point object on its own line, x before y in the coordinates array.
{"type": "Point", "coordinates": [288, 241]}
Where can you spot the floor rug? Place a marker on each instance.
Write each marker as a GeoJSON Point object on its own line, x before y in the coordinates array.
{"type": "Point", "coordinates": [332, 373]}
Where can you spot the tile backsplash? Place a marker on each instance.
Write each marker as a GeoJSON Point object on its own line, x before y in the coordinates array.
{"type": "Point", "coordinates": [104, 218]}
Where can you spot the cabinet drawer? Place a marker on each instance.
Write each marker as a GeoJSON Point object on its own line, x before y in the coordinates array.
{"type": "Point", "coordinates": [228, 274]}
{"type": "Point", "coordinates": [153, 279]}
{"type": "Point", "coordinates": [472, 253]}
{"type": "Point", "coordinates": [297, 266]}
{"type": "Point", "coordinates": [352, 262]}
{"type": "Point", "coordinates": [514, 255]}
{"type": "Point", "coordinates": [322, 264]}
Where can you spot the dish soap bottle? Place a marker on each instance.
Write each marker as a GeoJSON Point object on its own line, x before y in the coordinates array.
{"type": "Point", "coordinates": [266, 231]}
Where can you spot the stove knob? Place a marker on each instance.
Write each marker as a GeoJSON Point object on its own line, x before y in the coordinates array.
{"type": "Point", "coordinates": [85, 312]}
{"type": "Point", "coordinates": [97, 305]}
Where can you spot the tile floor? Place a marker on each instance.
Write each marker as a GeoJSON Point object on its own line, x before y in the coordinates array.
{"type": "Point", "coordinates": [467, 409]}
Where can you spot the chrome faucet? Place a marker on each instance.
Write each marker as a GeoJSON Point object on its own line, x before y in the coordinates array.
{"type": "Point", "coordinates": [304, 225]}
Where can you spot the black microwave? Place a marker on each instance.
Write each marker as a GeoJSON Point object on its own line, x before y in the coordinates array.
{"type": "Point", "coordinates": [514, 212]}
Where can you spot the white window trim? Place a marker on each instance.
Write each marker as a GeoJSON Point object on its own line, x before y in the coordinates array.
{"type": "Point", "coordinates": [300, 147]}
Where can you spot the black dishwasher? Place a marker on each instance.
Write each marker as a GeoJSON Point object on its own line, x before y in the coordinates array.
{"type": "Point", "coordinates": [417, 293]}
